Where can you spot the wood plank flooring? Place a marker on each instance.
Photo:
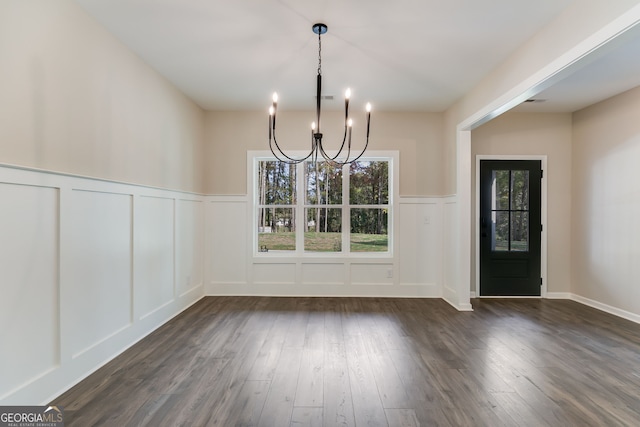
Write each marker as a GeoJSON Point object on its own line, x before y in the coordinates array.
{"type": "Point", "coordinates": [250, 361]}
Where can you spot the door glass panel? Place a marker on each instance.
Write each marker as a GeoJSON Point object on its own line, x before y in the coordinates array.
{"type": "Point", "coordinates": [500, 231]}
{"type": "Point", "coordinates": [500, 190]}
{"type": "Point", "coordinates": [520, 190]}
{"type": "Point", "coordinates": [520, 231]}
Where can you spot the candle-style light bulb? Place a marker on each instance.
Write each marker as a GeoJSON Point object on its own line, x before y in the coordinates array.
{"type": "Point", "coordinates": [350, 122]}
{"type": "Point", "coordinates": [368, 108]}
{"type": "Point", "coordinates": [271, 111]}
{"type": "Point", "coordinates": [347, 95]}
{"type": "Point", "coordinates": [313, 125]}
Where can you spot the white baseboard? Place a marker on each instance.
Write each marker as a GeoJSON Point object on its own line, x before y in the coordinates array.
{"type": "Point", "coordinates": [458, 306]}
{"type": "Point", "coordinates": [550, 295]}
{"type": "Point", "coordinates": [633, 317]}
{"type": "Point", "coordinates": [559, 295]}
{"type": "Point", "coordinates": [324, 290]}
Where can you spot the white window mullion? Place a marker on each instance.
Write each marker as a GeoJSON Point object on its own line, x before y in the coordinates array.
{"type": "Point", "coordinates": [301, 218]}
{"type": "Point", "coordinates": [346, 214]}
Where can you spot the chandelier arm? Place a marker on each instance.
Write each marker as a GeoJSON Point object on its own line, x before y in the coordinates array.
{"type": "Point", "coordinates": [366, 144]}
{"type": "Point", "coordinates": [338, 162]}
{"type": "Point", "coordinates": [347, 161]}
{"type": "Point", "coordinates": [344, 139]}
{"type": "Point", "coordinates": [361, 153]}
{"type": "Point", "coordinates": [348, 148]}
{"type": "Point", "coordinates": [289, 160]}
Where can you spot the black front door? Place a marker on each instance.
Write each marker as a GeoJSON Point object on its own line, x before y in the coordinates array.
{"type": "Point", "coordinates": [510, 227]}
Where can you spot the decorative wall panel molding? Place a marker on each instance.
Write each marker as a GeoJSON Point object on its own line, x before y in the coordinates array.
{"type": "Point", "coordinates": [88, 269]}
{"type": "Point", "coordinates": [29, 253]}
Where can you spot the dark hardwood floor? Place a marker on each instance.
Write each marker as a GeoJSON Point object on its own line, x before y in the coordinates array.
{"type": "Point", "coordinates": [242, 361]}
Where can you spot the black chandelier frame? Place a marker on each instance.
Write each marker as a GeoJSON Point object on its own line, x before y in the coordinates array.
{"type": "Point", "coordinates": [317, 150]}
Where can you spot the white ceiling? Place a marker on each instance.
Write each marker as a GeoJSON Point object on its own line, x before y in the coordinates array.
{"type": "Point", "coordinates": [402, 55]}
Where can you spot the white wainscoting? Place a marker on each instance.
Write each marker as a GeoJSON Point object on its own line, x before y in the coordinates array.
{"type": "Point", "coordinates": [153, 248]}
{"type": "Point", "coordinates": [415, 269]}
{"type": "Point", "coordinates": [98, 268]}
{"type": "Point", "coordinates": [29, 305]}
{"type": "Point", "coordinates": [87, 268]}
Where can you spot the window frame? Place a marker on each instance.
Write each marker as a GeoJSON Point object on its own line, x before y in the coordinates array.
{"type": "Point", "coordinates": [392, 157]}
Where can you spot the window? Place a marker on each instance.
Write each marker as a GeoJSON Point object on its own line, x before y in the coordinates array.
{"type": "Point", "coordinates": [317, 208]}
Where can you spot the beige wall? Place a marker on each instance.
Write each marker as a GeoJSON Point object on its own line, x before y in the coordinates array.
{"type": "Point", "coordinates": [606, 202]}
{"type": "Point", "coordinates": [75, 100]}
{"type": "Point", "coordinates": [537, 134]}
{"type": "Point", "coordinates": [417, 136]}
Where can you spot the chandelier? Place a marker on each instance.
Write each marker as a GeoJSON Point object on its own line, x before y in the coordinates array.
{"type": "Point", "coordinates": [317, 149]}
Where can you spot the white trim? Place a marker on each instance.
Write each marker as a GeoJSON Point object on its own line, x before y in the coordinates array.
{"type": "Point", "coordinates": [231, 198]}
{"type": "Point", "coordinates": [463, 241]}
{"type": "Point", "coordinates": [423, 199]}
{"type": "Point", "coordinates": [509, 297]}
{"type": "Point", "coordinates": [558, 295]}
{"type": "Point", "coordinates": [607, 308]}
{"type": "Point", "coordinates": [459, 306]}
{"type": "Point", "coordinates": [324, 290]}
{"type": "Point", "coordinates": [543, 214]}
{"type": "Point", "coordinates": [93, 178]}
